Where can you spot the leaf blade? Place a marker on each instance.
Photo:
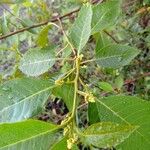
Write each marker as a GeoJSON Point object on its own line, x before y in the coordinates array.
{"type": "Point", "coordinates": [62, 143]}
{"type": "Point", "coordinates": [115, 56]}
{"type": "Point", "coordinates": [30, 134]}
{"type": "Point", "coordinates": [93, 111]}
{"type": "Point", "coordinates": [127, 109]}
{"type": "Point", "coordinates": [23, 98]}
{"type": "Point", "coordinates": [37, 61]}
{"type": "Point", "coordinates": [105, 15]}
{"type": "Point", "coordinates": [102, 40]}
{"type": "Point", "coordinates": [42, 39]}
{"type": "Point", "coordinates": [66, 92]}
{"type": "Point", "coordinates": [81, 29]}
{"type": "Point", "coordinates": [106, 86]}
{"type": "Point", "coordinates": [107, 134]}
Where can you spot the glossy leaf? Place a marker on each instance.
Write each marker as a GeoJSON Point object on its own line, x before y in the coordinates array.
{"type": "Point", "coordinates": [60, 144]}
{"type": "Point", "coordinates": [22, 98]}
{"type": "Point", "coordinates": [27, 135]}
{"type": "Point", "coordinates": [115, 56]}
{"type": "Point", "coordinates": [37, 61]}
{"type": "Point", "coordinates": [81, 29]}
{"type": "Point", "coordinates": [42, 39]}
{"type": "Point", "coordinates": [66, 92]}
{"type": "Point", "coordinates": [131, 111]}
{"type": "Point", "coordinates": [106, 134]}
{"type": "Point", "coordinates": [105, 15]}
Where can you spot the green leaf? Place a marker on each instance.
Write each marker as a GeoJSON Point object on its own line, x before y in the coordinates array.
{"type": "Point", "coordinates": [93, 111]}
{"type": "Point", "coordinates": [119, 82]}
{"type": "Point", "coordinates": [27, 135]}
{"type": "Point", "coordinates": [23, 98]}
{"type": "Point", "coordinates": [66, 52]}
{"type": "Point", "coordinates": [106, 134]}
{"type": "Point", "coordinates": [115, 56]}
{"type": "Point", "coordinates": [42, 39]}
{"type": "Point", "coordinates": [37, 61]}
{"type": "Point", "coordinates": [4, 24]}
{"type": "Point", "coordinates": [81, 29]}
{"type": "Point", "coordinates": [102, 40]}
{"type": "Point", "coordinates": [60, 144]}
{"type": "Point", "coordinates": [105, 15]}
{"type": "Point", "coordinates": [66, 92]}
{"type": "Point", "coordinates": [106, 86]}
{"type": "Point", "coordinates": [132, 111]}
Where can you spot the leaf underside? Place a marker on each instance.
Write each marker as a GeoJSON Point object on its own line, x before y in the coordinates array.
{"type": "Point", "coordinates": [22, 98]}
{"type": "Point", "coordinates": [37, 61]}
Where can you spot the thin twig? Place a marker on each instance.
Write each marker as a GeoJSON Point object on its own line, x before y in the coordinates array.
{"type": "Point", "coordinates": [37, 25]}
{"type": "Point", "coordinates": [61, 50]}
{"type": "Point", "coordinates": [65, 35]}
{"type": "Point", "coordinates": [82, 105]}
{"type": "Point", "coordinates": [88, 61]}
{"type": "Point", "coordinates": [111, 36]}
{"type": "Point", "coordinates": [43, 23]}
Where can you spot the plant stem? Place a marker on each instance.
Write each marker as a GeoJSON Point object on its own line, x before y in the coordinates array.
{"type": "Point", "coordinates": [71, 118]}
{"type": "Point", "coordinates": [68, 73]}
{"type": "Point", "coordinates": [76, 86]}
{"type": "Point", "coordinates": [88, 61]}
